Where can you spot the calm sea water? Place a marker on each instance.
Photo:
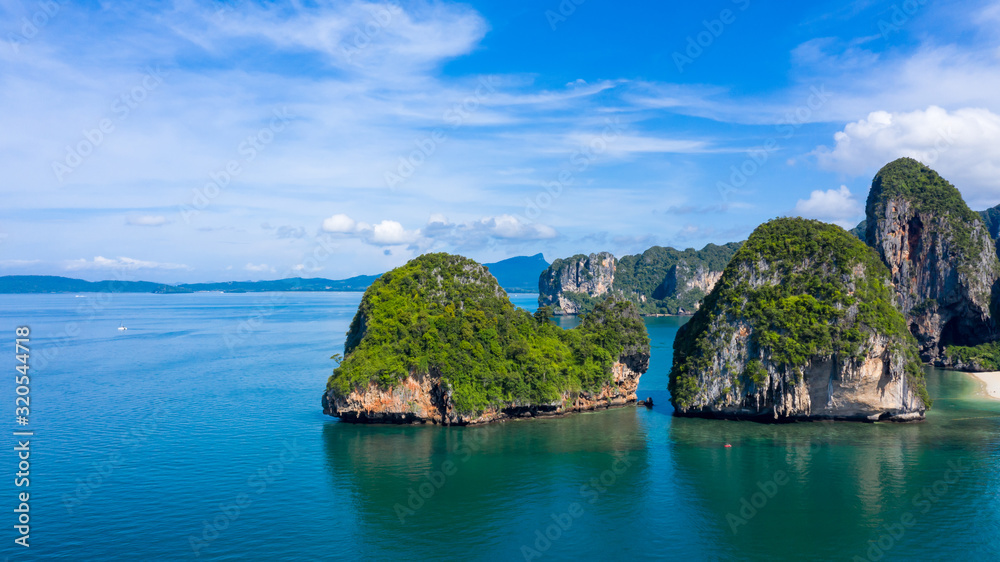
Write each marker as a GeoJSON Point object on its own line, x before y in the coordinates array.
{"type": "Point", "coordinates": [197, 434]}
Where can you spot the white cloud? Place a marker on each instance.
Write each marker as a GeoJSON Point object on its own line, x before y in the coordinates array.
{"type": "Point", "coordinates": [352, 35]}
{"type": "Point", "coordinates": [962, 145]}
{"type": "Point", "coordinates": [440, 231]}
{"type": "Point", "coordinates": [838, 206]}
{"type": "Point", "coordinates": [259, 268]}
{"type": "Point", "coordinates": [147, 220]}
{"type": "Point", "coordinates": [480, 232]}
{"type": "Point", "coordinates": [390, 233]}
{"type": "Point", "coordinates": [507, 226]}
{"type": "Point", "coordinates": [122, 263]}
{"type": "Point", "coordinates": [339, 223]}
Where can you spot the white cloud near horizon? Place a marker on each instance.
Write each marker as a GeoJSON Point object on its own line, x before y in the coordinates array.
{"type": "Point", "coordinates": [262, 268]}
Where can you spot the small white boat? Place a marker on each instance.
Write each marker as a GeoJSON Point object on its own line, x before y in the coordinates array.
{"type": "Point", "coordinates": [121, 327]}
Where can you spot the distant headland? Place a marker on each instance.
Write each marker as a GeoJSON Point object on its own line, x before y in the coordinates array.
{"type": "Point", "coordinates": [515, 275]}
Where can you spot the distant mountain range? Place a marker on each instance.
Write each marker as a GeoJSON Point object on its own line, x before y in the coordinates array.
{"type": "Point", "coordinates": [515, 275]}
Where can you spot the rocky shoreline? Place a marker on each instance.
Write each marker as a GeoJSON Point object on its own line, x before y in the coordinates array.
{"type": "Point", "coordinates": [425, 399]}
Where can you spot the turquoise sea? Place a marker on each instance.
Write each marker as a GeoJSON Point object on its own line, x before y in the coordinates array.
{"type": "Point", "coordinates": [197, 434]}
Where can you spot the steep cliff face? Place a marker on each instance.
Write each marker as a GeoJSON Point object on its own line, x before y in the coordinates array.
{"type": "Point", "coordinates": [659, 280]}
{"type": "Point", "coordinates": [688, 284]}
{"type": "Point", "coordinates": [568, 284]}
{"type": "Point", "coordinates": [438, 341]}
{"type": "Point", "coordinates": [942, 259]}
{"type": "Point", "coordinates": [801, 326]}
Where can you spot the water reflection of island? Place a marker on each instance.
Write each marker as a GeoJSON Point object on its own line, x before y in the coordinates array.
{"type": "Point", "coordinates": [824, 490]}
{"type": "Point", "coordinates": [493, 486]}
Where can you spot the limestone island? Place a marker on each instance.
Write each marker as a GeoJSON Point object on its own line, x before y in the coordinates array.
{"type": "Point", "coordinates": [943, 263]}
{"type": "Point", "coordinates": [802, 325]}
{"type": "Point", "coordinates": [438, 341]}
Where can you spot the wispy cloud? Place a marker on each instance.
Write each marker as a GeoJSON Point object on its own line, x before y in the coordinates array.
{"type": "Point", "coordinates": [121, 263]}
{"type": "Point", "coordinates": [147, 220]}
{"type": "Point", "coordinates": [261, 268]}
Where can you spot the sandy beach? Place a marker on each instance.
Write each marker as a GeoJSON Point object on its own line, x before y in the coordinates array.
{"type": "Point", "coordinates": [992, 381]}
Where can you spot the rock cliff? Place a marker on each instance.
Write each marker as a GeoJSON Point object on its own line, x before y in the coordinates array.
{"type": "Point", "coordinates": [568, 285]}
{"type": "Point", "coordinates": [658, 281]}
{"type": "Point", "coordinates": [802, 325]}
{"type": "Point", "coordinates": [426, 398]}
{"type": "Point", "coordinates": [687, 284]}
{"type": "Point", "coordinates": [942, 259]}
{"type": "Point", "coordinates": [438, 341]}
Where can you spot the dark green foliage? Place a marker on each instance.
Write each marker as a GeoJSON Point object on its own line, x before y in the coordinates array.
{"type": "Point", "coordinates": [543, 314]}
{"type": "Point", "coordinates": [922, 186]}
{"type": "Point", "coordinates": [815, 307]}
{"type": "Point", "coordinates": [755, 372]}
{"type": "Point", "coordinates": [446, 315]}
{"type": "Point", "coordinates": [985, 357]}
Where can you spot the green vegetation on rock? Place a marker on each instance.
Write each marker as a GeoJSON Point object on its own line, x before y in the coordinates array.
{"type": "Point", "coordinates": [642, 274]}
{"type": "Point", "coordinates": [985, 357]}
{"type": "Point", "coordinates": [655, 280]}
{"type": "Point", "coordinates": [806, 290]}
{"type": "Point", "coordinates": [446, 316]}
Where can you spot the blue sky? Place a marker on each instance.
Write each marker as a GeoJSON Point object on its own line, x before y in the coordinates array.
{"type": "Point", "coordinates": [194, 141]}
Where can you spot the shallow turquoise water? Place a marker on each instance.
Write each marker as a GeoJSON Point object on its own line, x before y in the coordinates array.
{"type": "Point", "coordinates": [197, 434]}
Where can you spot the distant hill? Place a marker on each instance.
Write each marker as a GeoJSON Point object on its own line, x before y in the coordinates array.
{"type": "Point", "coordinates": [359, 283]}
{"type": "Point", "coordinates": [861, 231]}
{"type": "Point", "coordinates": [992, 218]}
{"type": "Point", "coordinates": [516, 275]}
{"type": "Point", "coordinates": [520, 274]}
{"type": "Point", "coordinates": [53, 284]}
